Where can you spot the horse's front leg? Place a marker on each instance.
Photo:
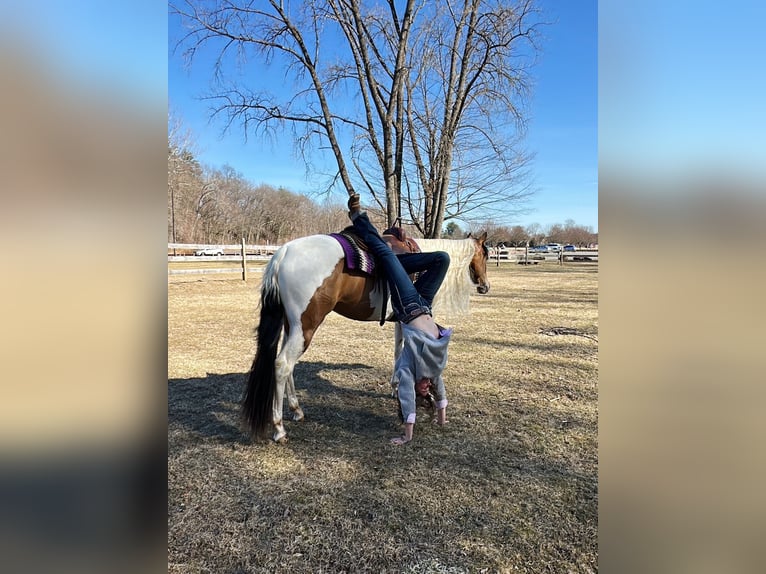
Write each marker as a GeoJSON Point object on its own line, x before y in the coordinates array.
{"type": "Point", "coordinates": [398, 346]}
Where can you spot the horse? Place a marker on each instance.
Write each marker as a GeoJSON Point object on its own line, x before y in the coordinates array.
{"type": "Point", "coordinates": [303, 282]}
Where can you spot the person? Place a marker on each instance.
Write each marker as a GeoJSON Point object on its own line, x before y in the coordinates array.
{"type": "Point", "coordinates": [418, 369]}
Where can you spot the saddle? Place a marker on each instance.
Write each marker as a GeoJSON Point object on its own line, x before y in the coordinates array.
{"type": "Point", "coordinates": [395, 237]}
{"type": "Point", "coordinates": [399, 241]}
{"type": "Point", "coordinates": [358, 257]}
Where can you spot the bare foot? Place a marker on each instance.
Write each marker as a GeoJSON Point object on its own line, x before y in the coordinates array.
{"type": "Point", "coordinates": [426, 324]}
{"type": "Point", "coordinates": [400, 440]}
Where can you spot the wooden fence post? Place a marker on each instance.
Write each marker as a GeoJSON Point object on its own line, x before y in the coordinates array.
{"type": "Point", "coordinates": [244, 261]}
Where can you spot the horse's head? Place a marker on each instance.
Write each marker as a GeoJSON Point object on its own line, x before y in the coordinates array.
{"type": "Point", "coordinates": [478, 266]}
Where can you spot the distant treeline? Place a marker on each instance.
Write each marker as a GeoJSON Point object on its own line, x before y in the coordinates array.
{"type": "Point", "coordinates": [534, 234]}
{"type": "Point", "coordinates": [219, 206]}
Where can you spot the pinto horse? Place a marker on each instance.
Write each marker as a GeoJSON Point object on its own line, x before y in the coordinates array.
{"type": "Point", "coordinates": [306, 279]}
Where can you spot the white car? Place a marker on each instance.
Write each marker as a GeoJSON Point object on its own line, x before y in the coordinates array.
{"type": "Point", "coordinates": [209, 251]}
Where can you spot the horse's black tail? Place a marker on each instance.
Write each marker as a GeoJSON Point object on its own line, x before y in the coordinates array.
{"type": "Point", "coordinates": [262, 381]}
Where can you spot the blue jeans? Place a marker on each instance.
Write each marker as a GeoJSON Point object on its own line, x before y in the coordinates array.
{"type": "Point", "coordinates": [408, 300]}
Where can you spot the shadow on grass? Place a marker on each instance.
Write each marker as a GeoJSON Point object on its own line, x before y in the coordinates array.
{"type": "Point", "coordinates": [499, 493]}
{"type": "Point", "coordinates": [209, 406]}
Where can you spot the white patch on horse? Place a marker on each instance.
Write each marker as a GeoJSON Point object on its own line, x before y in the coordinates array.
{"type": "Point", "coordinates": [301, 274]}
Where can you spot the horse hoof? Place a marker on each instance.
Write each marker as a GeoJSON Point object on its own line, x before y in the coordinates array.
{"type": "Point", "coordinates": [280, 437]}
{"type": "Point", "coordinates": [298, 415]}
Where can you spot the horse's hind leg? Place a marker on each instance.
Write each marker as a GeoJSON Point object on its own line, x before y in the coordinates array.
{"type": "Point", "coordinates": [292, 398]}
{"type": "Point", "coordinates": [292, 349]}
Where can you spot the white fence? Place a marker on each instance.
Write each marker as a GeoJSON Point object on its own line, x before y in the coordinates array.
{"type": "Point", "coordinates": [526, 255]}
{"type": "Point", "coordinates": [586, 256]}
{"type": "Point", "coordinates": [231, 253]}
{"type": "Point", "coordinates": [243, 253]}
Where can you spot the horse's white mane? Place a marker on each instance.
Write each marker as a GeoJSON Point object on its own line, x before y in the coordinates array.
{"type": "Point", "coordinates": [454, 295]}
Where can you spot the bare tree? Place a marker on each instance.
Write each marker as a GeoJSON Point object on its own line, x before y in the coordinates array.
{"type": "Point", "coordinates": [494, 231]}
{"type": "Point", "coordinates": [218, 205]}
{"type": "Point", "coordinates": [580, 235]}
{"type": "Point", "coordinates": [517, 236]}
{"type": "Point", "coordinates": [292, 35]}
{"type": "Point", "coordinates": [427, 79]}
{"type": "Point", "coordinates": [555, 233]}
{"type": "Point", "coordinates": [452, 231]}
{"type": "Point", "coordinates": [464, 111]}
{"type": "Point", "coordinates": [535, 234]}
{"type": "Point", "coordinates": [185, 180]}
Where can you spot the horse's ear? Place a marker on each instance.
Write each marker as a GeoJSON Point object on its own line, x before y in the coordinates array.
{"type": "Point", "coordinates": [469, 235]}
{"type": "Point", "coordinates": [483, 237]}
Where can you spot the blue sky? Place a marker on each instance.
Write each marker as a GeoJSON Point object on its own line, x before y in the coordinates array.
{"type": "Point", "coordinates": [112, 46]}
{"type": "Point", "coordinates": [563, 126]}
{"type": "Point", "coordinates": [562, 131]}
{"type": "Point", "coordinates": [682, 87]}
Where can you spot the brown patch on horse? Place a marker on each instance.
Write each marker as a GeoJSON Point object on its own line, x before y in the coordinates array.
{"type": "Point", "coordinates": [355, 296]}
{"type": "Point", "coordinates": [343, 291]}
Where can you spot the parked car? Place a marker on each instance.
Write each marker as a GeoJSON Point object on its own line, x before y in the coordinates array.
{"type": "Point", "coordinates": [539, 249]}
{"type": "Point", "coordinates": [554, 247]}
{"type": "Point", "coordinates": [569, 248]}
{"type": "Point", "coordinates": [209, 251]}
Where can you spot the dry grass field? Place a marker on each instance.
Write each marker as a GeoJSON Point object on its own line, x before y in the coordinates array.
{"type": "Point", "coordinates": [509, 485]}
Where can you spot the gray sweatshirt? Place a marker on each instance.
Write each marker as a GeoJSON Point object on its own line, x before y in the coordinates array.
{"type": "Point", "coordinates": [422, 357]}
